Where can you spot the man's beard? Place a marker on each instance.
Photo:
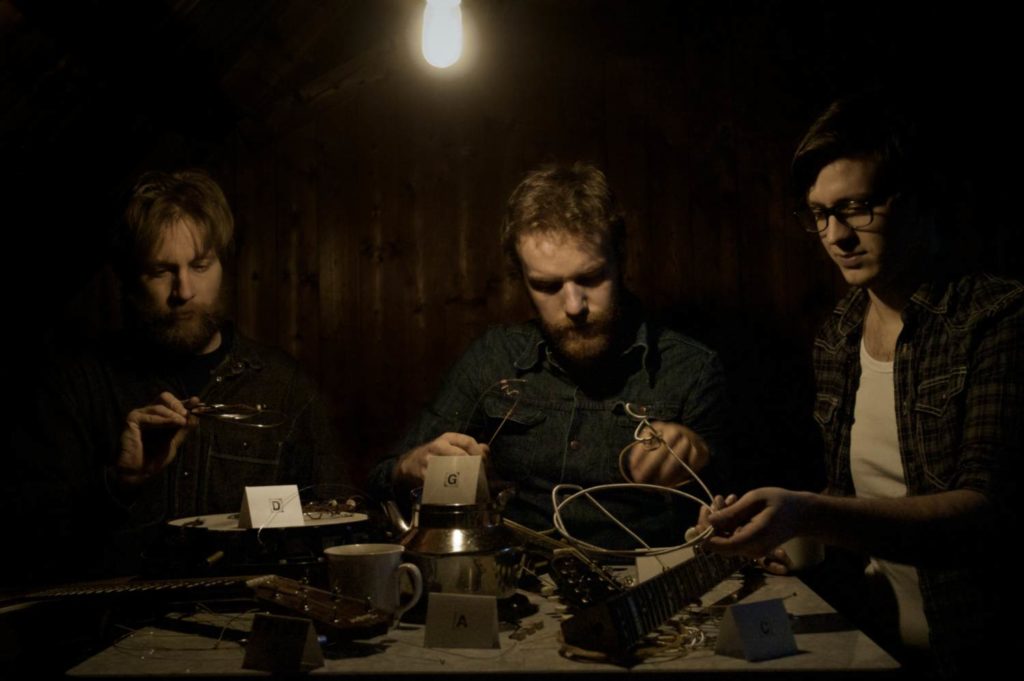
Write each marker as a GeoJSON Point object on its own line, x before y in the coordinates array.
{"type": "Point", "coordinates": [177, 331]}
{"type": "Point", "coordinates": [587, 343]}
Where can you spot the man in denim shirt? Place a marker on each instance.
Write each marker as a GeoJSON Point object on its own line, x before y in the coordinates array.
{"type": "Point", "coordinates": [113, 449]}
{"type": "Point", "coordinates": [558, 399]}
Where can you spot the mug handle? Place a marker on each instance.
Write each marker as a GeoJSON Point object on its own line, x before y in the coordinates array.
{"type": "Point", "coordinates": [417, 588]}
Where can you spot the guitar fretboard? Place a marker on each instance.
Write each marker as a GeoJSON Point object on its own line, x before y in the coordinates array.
{"type": "Point", "coordinates": [623, 620]}
{"type": "Point", "coordinates": [192, 588]}
{"type": "Point", "coordinates": [340, 614]}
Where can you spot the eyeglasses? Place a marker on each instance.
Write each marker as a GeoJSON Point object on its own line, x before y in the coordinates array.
{"type": "Point", "coordinates": [856, 215]}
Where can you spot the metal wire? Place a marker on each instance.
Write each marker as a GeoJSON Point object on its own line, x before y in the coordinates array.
{"type": "Point", "coordinates": [248, 415]}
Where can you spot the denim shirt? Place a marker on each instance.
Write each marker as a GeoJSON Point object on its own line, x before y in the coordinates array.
{"type": "Point", "coordinates": [65, 450]}
{"type": "Point", "coordinates": [959, 388]}
{"type": "Point", "coordinates": [547, 429]}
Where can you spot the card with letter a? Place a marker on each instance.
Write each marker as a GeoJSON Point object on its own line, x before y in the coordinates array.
{"type": "Point", "coordinates": [461, 621]}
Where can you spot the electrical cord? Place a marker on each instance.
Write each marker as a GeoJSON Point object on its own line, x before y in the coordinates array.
{"type": "Point", "coordinates": [646, 433]}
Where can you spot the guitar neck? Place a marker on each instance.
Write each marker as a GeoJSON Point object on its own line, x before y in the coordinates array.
{"type": "Point", "coordinates": [339, 614]}
{"type": "Point", "coordinates": [619, 623]}
{"type": "Point", "coordinates": [202, 588]}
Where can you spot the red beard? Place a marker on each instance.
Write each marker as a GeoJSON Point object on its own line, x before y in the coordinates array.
{"type": "Point", "coordinates": [583, 343]}
{"type": "Point", "coordinates": [179, 331]}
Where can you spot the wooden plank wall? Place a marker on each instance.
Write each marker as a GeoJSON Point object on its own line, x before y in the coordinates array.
{"type": "Point", "coordinates": [370, 214]}
{"type": "Point", "coordinates": [368, 188]}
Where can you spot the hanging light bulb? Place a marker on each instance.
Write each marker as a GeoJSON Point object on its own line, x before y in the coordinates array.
{"type": "Point", "coordinates": [442, 33]}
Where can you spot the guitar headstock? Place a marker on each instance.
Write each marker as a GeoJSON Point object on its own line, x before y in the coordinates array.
{"type": "Point", "coordinates": [341, 614]}
{"type": "Point", "coordinates": [581, 581]}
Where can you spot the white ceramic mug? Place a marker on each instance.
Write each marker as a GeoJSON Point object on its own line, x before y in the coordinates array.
{"type": "Point", "coordinates": [371, 573]}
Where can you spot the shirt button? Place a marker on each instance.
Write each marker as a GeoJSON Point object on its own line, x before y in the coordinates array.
{"type": "Point", "coordinates": [245, 445]}
{"type": "Point", "coordinates": [574, 445]}
{"type": "Point", "coordinates": [219, 379]}
{"type": "Point", "coordinates": [186, 474]}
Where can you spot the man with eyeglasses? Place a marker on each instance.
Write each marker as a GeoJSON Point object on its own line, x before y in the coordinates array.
{"type": "Point", "coordinates": [920, 400]}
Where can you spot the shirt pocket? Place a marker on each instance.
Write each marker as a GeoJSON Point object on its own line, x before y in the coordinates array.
{"type": "Point", "coordinates": [517, 430]}
{"type": "Point", "coordinates": [825, 407]}
{"type": "Point", "coordinates": [240, 458]}
{"type": "Point", "coordinates": [938, 417]}
{"type": "Point", "coordinates": [654, 410]}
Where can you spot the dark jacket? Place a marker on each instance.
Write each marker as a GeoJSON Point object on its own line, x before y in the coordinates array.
{"type": "Point", "coordinates": [558, 431]}
{"type": "Point", "coordinates": [76, 523]}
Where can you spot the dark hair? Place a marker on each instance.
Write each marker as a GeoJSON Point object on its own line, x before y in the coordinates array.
{"type": "Point", "coordinates": [572, 199]}
{"type": "Point", "coordinates": [869, 125]}
{"type": "Point", "coordinates": [160, 199]}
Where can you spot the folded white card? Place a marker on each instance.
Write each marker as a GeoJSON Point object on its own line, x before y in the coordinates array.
{"type": "Point", "coordinates": [756, 631]}
{"type": "Point", "coordinates": [454, 480]}
{"type": "Point", "coordinates": [271, 506]}
{"type": "Point", "coordinates": [461, 621]}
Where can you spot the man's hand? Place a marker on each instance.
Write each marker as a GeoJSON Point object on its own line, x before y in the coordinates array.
{"type": "Point", "coordinates": [777, 561]}
{"type": "Point", "coordinates": [650, 462]}
{"type": "Point", "coordinates": [757, 523]}
{"type": "Point", "coordinates": [717, 504]}
{"type": "Point", "coordinates": [412, 466]}
{"type": "Point", "coordinates": [151, 437]}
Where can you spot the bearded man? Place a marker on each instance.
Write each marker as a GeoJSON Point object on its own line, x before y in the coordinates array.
{"type": "Point", "coordinates": [118, 443]}
{"type": "Point", "coordinates": [557, 400]}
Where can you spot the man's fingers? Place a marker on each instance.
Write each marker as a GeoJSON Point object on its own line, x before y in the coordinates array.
{"type": "Point", "coordinates": [749, 539]}
{"type": "Point", "coordinates": [644, 463]}
{"type": "Point", "coordinates": [412, 466]}
{"type": "Point", "coordinates": [726, 546]}
{"type": "Point", "coordinates": [737, 544]}
{"type": "Point", "coordinates": [176, 441]}
{"type": "Point", "coordinates": [778, 562]}
{"type": "Point", "coordinates": [442, 448]}
{"type": "Point", "coordinates": [460, 440]}
{"type": "Point", "coordinates": [455, 446]}
{"type": "Point", "coordinates": [735, 512]}
{"type": "Point", "coordinates": [667, 457]}
{"type": "Point", "coordinates": [171, 402]}
{"type": "Point", "coordinates": [157, 415]}
{"type": "Point", "coordinates": [685, 443]}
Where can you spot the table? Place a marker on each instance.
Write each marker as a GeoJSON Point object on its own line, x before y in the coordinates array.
{"type": "Point", "coordinates": [825, 642]}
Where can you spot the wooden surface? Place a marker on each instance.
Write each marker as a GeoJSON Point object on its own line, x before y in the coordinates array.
{"type": "Point", "coordinates": [824, 641]}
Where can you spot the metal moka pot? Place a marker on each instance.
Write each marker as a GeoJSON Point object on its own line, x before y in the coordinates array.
{"type": "Point", "coordinates": [462, 549]}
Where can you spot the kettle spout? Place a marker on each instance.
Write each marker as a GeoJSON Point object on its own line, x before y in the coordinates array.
{"type": "Point", "coordinates": [395, 516]}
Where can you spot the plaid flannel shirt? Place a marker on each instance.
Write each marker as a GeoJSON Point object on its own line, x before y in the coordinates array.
{"type": "Point", "coordinates": [959, 382]}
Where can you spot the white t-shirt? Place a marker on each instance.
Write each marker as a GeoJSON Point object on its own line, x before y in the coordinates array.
{"type": "Point", "coordinates": [877, 470]}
